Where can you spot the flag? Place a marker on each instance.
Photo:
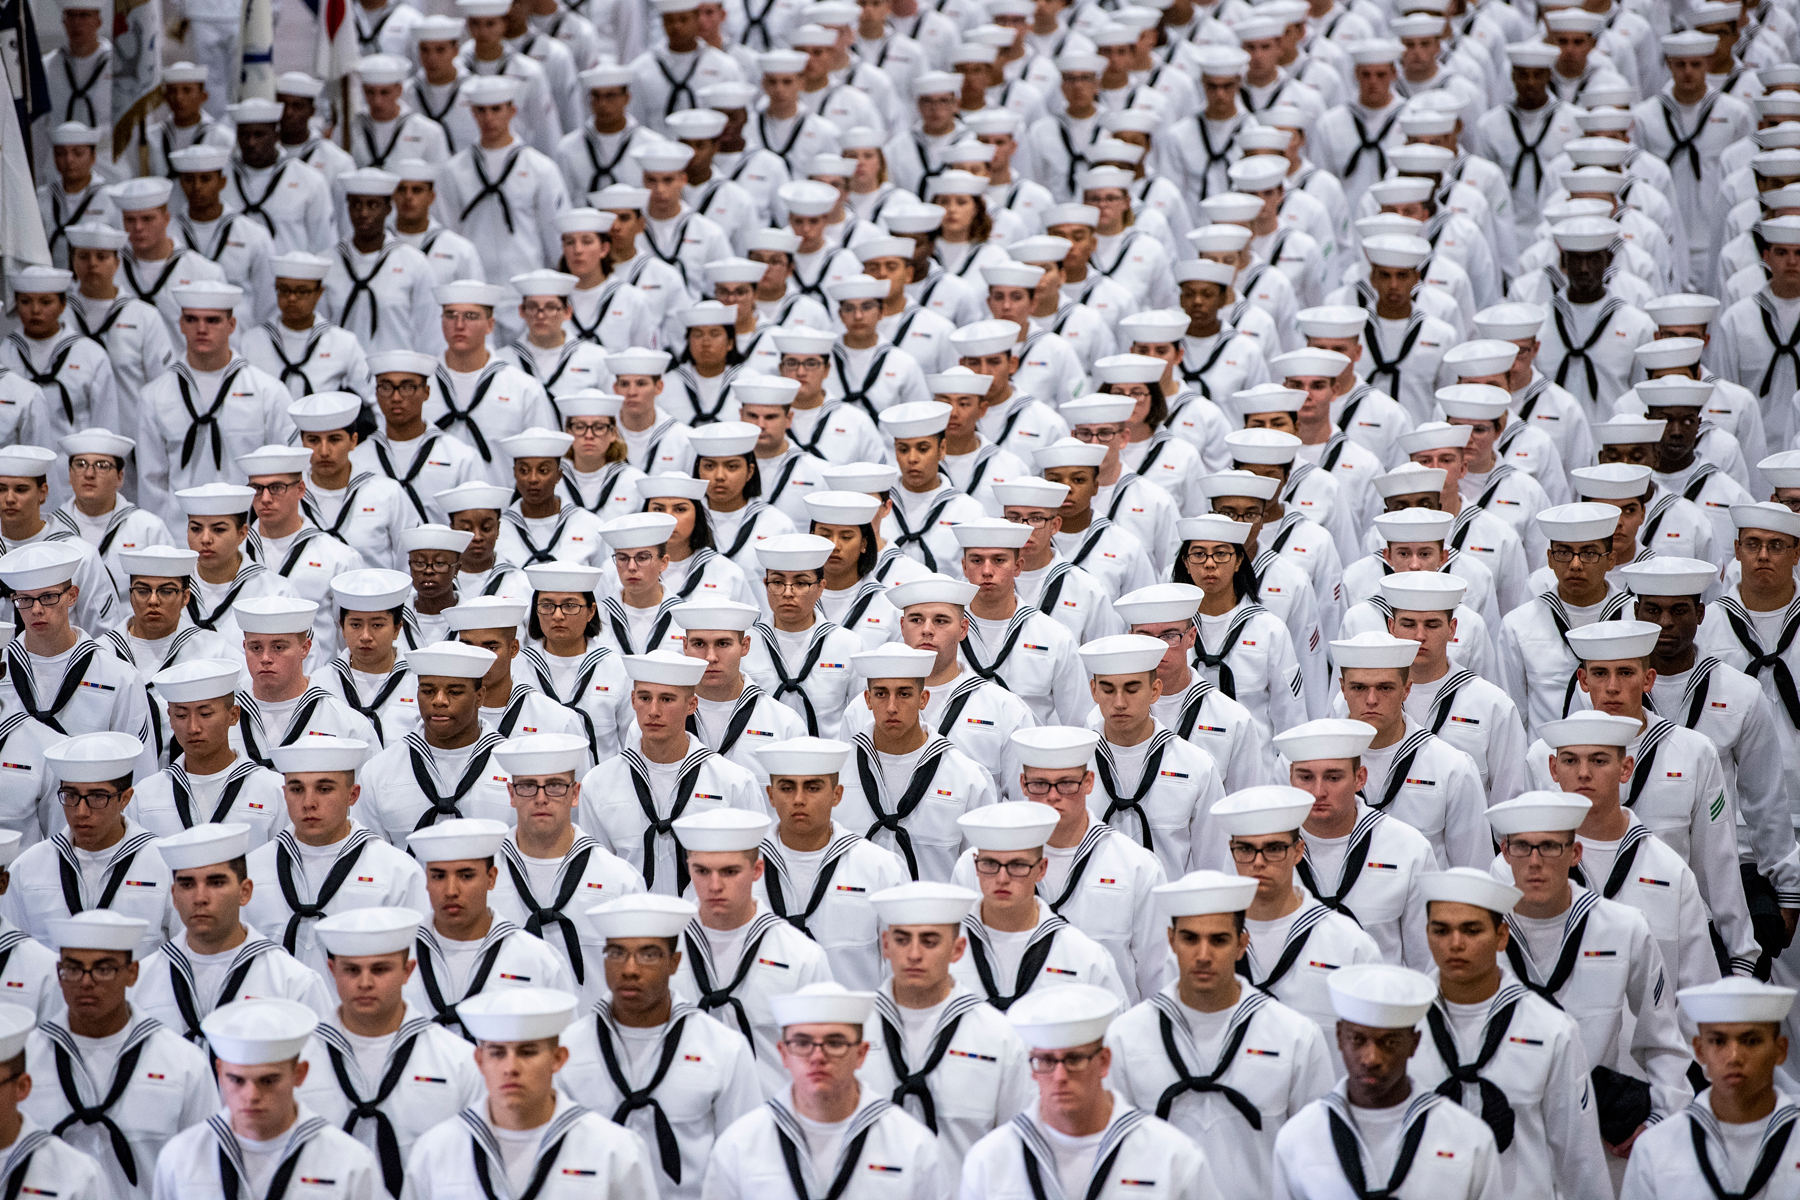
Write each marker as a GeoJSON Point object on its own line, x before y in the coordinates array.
{"type": "Point", "coordinates": [338, 49]}
{"type": "Point", "coordinates": [22, 240]}
{"type": "Point", "coordinates": [24, 63]}
{"type": "Point", "coordinates": [137, 78]}
{"type": "Point", "coordinates": [257, 79]}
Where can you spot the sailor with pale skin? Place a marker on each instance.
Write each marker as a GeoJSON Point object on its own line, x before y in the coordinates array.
{"type": "Point", "coordinates": [1366, 416]}
{"type": "Point", "coordinates": [1050, 583]}
{"type": "Point", "coordinates": [1262, 1061]}
{"type": "Point", "coordinates": [1359, 861]}
{"type": "Point", "coordinates": [822, 1128]}
{"type": "Point", "coordinates": [902, 759]}
{"type": "Point", "coordinates": [697, 566]}
{"type": "Point", "coordinates": [1266, 449]}
{"type": "Point", "coordinates": [597, 477]}
{"type": "Point", "coordinates": [1121, 558]}
{"type": "Point", "coordinates": [376, 626]}
{"type": "Point", "coordinates": [283, 704]}
{"type": "Point", "coordinates": [638, 617]}
{"type": "Point", "coordinates": [327, 862]}
{"type": "Point", "coordinates": [971, 462]}
{"type": "Point", "coordinates": [1477, 533]}
{"type": "Point", "coordinates": [73, 372]}
{"type": "Point", "coordinates": [549, 352]}
{"type": "Point", "coordinates": [1080, 1131]}
{"type": "Point", "coordinates": [526, 1127]}
{"type": "Point", "coordinates": [354, 1050]}
{"type": "Point", "coordinates": [47, 1159]}
{"type": "Point", "coordinates": [1030, 653]}
{"type": "Point", "coordinates": [160, 633]}
{"type": "Point", "coordinates": [51, 651]}
{"type": "Point", "coordinates": [167, 1085]}
{"type": "Point", "coordinates": [796, 657]}
{"type": "Point", "coordinates": [1296, 942]}
{"type": "Point", "coordinates": [1748, 624]}
{"type": "Point", "coordinates": [546, 869]}
{"type": "Point", "coordinates": [469, 379]}
{"type": "Point", "coordinates": [209, 781]}
{"type": "Point", "coordinates": [635, 796]}
{"type": "Point", "coordinates": [96, 511]}
{"type": "Point", "coordinates": [1516, 496]}
{"type": "Point", "coordinates": [218, 959]}
{"type": "Point", "coordinates": [1017, 943]}
{"type": "Point", "coordinates": [1136, 504]}
{"type": "Point", "coordinates": [217, 520]}
{"type": "Point", "coordinates": [24, 491]}
{"type": "Point", "coordinates": [833, 429]}
{"type": "Point", "coordinates": [733, 716]}
{"type": "Point", "coordinates": [650, 1061]}
{"type": "Point", "coordinates": [789, 472]}
{"type": "Point", "coordinates": [422, 459]}
{"type": "Point", "coordinates": [1352, 1140]}
{"type": "Point", "coordinates": [737, 954]}
{"type": "Point", "coordinates": [509, 701]}
{"type": "Point", "coordinates": [1677, 787]}
{"type": "Point", "coordinates": [1301, 555]}
{"type": "Point", "coordinates": [1537, 838]}
{"type": "Point", "coordinates": [852, 593]}
{"type": "Point", "coordinates": [925, 507]}
{"type": "Point", "coordinates": [1653, 522]}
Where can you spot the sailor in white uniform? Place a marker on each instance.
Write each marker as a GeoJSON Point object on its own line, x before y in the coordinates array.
{"type": "Point", "coordinates": [327, 862]}
{"type": "Point", "coordinates": [573, 1152]}
{"type": "Point", "coordinates": [1729, 1136]}
{"type": "Point", "coordinates": [937, 1049]}
{"type": "Point", "coordinates": [635, 796]}
{"type": "Point", "coordinates": [358, 504]}
{"type": "Point", "coordinates": [283, 704]}
{"type": "Point", "coordinates": [1296, 943]}
{"type": "Point", "coordinates": [542, 526]}
{"type": "Point", "coordinates": [1359, 861]}
{"type": "Point", "coordinates": [549, 873]}
{"type": "Point", "coordinates": [737, 955]}
{"type": "Point", "coordinates": [376, 1067]}
{"type": "Point", "coordinates": [1017, 944]}
{"type": "Point", "coordinates": [28, 972]}
{"type": "Point", "coordinates": [853, 595]}
{"type": "Point", "coordinates": [924, 508]}
{"type": "Point", "coordinates": [869, 1146]}
{"type": "Point", "coordinates": [797, 657]}
{"type": "Point", "coordinates": [1505, 1053]}
{"type": "Point", "coordinates": [1355, 1139]}
{"type": "Point", "coordinates": [1568, 944]}
{"type": "Point", "coordinates": [1028, 652]}
{"type": "Point", "coordinates": [654, 1064]}
{"type": "Point", "coordinates": [1226, 1064]}
{"type": "Point", "coordinates": [217, 959]}
{"type": "Point", "coordinates": [163, 1084]}
{"type": "Point", "coordinates": [376, 627]}
{"type": "Point", "coordinates": [442, 769]}
{"type": "Point", "coordinates": [1124, 550]}
{"type": "Point", "coordinates": [284, 539]}
{"type": "Point", "coordinates": [160, 633]}
{"type": "Point", "coordinates": [503, 193]}
{"type": "Point", "coordinates": [103, 859]}
{"type": "Point", "coordinates": [468, 948]}
{"type": "Point", "coordinates": [818, 875]}
{"type": "Point", "coordinates": [39, 1159]}
{"type": "Point", "coordinates": [56, 671]}
{"type": "Point", "coordinates": [732, 715]}
{"type": "Point", "coordinates": [1086, 1136]}
{"type": "Point", "coordinates": [911, 784]}
{"type": "Point", "coordinates": [1050, 583]}
{"type": "Point", "coordinates": [97, 512]}
{"type": "Point", "coordinates": [421, 458]}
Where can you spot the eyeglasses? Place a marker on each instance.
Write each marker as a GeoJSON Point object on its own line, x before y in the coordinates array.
{"type": "Point", "coordinates": [1587, 554]}
{"type": "Point", "coordinates": [1754, 546]}
{"type": "Point", "coordinates": [1548, 851]}
{"type": "Point", "coordinates": [556, 789]}
{"type": "Point", "coordinates": [1041, 787]}
{"type": "Point", "coordinates": [1035, 520]}
{"type": "Point", "coordinates": [1072, 1061]}
{"type": "Point", "coordinates": [1103, 433]}
{"type": "Point", "coordinates": [104, 971]}
{"type": "Point", "coordinates": [295, 291]}
{"type": "Point", "coordinates": [463, 318]}
{"type": "Point", "coordinates": [568, 607]}
{"type": "Point", "coordinates": [95, 466]}
{"type": "Point", "coordinates": [47, 599]}
{"type": "Point", "coordinates": [641, 559]}
{"type": "Point", "coordinates": [440, 565]}
{"type": "Point", "coordinates": [1222, 556]}
{"type": "Point", "coordinates": [802, 364]}
{"type": "Point", "coordinates": [1274, 852]}
{"type": "Point", "coordinates": [96, 801]}
{"type": "Point", "coordinates": [791, 587]}
{"type": "Point", "coordinates": [1015, 868]}
{"type": "Point", "coordinates": [590, 428]}
{"type": "Point", "coordinates": [834, 1047]}
{"type": "Point", "coordinates": [1173, 637]}
{"type": "Point", "coordinates": [167, 591]}
{"type": "Point", "coordinates": [647, 956]}
{"type": "Point", "coordinates": [409, 389]}
{"type": "Point", "coordinates": [276, 490]}
{"type": "Point", "coordinates": [541, 310]}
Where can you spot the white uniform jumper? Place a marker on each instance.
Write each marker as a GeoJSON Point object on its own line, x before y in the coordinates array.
{"type": "Point", "coordinates": [208, 1161]}
{"type": "Point", "coordinates": [547, 897]}
{"type": "Point", "coordinates": [1135, 1148]}
{"type": "Point", "coordinates": [181, 988]}
{"type": "Point", "coordinates": [825, 895]}
{"type": "Point", "coordinates": [297, 884]}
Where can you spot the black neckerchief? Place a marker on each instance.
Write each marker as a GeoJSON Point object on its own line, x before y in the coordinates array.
{"type": "Point", "coordinates": [251, 722]}
{"type": "Point", "coordinates": [295, 367]}
{"type": "Point", "coordinates": [1038, 1155]}
{"type": "Point", "coordinates": [287, 854]}
{"type": "Point", "coordinates": [1206, 659]}
{"type": "Point", "coordinates": [182, 787]}
{"type": "Point", "coordinates": [232, 1172]}
{"type": "Point", "coordinates": [1777, 1131]}
{"type": "Point", "coordinates": [69, 870]}
{"type": "Point", "coordinates": [426, 950]}
{"type": "Point", "coordinates": [918, 1083]}
{"type": "Point", "coordinates": [1744, 630]}
{"type": "Point", "coordinates": [569, 876]}
{"type": "Point", "coordinates": [446, 390]}
{"type": "Point", "coordinates": [1173, 1026]}
{"type": "Point", "coordinates": [1116, 800]}
{"type": "Point", "coordinates": [656, 826]}
{"type": "Point", "coordinates": [1031, 963]}
{"type": "Point", "coordinates": [631, 1099]}
{"type": "Point", "coordinates": [874, 786]}
{"type": "Point", "coordinates": [776, 870]}
{"type": "Point", "coordinates": [1574, 927]}
{"type": "Point", "coordinates": [1496, 1110]}
{"type": "Point", "coordinates": [343, 1061]}
{"type": "Point", "coordinates": [424, 772]}
{"type": "Point", "coordinates": [420, 458]}
{"type": "Point", "coordinates": [492, 187]}
{"type": "Point", "coordinates": [67, 1052]}
{"type": "Point", "coordinates": [700, 962]}
{"type": "Point", "coordinates": [254, 208]}
{"type": "Point", "coordinates": [247, 572]}
{"type": "Point", "coordinates": [18, 663]}
{"type": "Point", "coordinates": [793, 1139]}
{"type": "Point", "coordinates": [1348, 1146]}
{"type": "Point", "coordinates": [1361, 834]}
{"type": "Point", "coordinates": [183, 983]}
{"type": "Point", "coordinates": [1305, 921]}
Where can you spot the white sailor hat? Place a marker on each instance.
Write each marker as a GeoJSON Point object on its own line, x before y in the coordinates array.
{"type": "Point", "coordinates": [468, 291]}
{"type": "Point", "coordinates": [901, 217]}
{"type": "Point", "coordinates": [519, 1014]}
{"type": "Point", "coordinates": [94, 235]}
{"type": "Point", "coordinates": [159, 562]}
{"type": "Point", "coordinates": [1732, 1001]}
{"type": "Point", "coordinates": [665, 667]}
{"type": "Point", "coordinates": [862, 477]}
{"type": "Point", "coordinates": [1374, 649]}
{"type": "Point", "coordinates": [965, 151]}
{"type": "Point", "coordinates": [1160, 603]}
{"type": "Point", "coordinates": [736, 270]}
{"type": "Point", "coordinates": [1071, 214]}
{"type": "Point", "coordinates": [184, 72]}
{"type": "Point", "coordinates": [662, 156]}
{"type": "Point", "coordinates": [25, 461]}
{"type": "Point", "coordinates": [798, 339]}
{"type": "Point", "coordinates": [1123, 654]}
{"type": "Point", "coordinates": [1623, 430]}
{"type": "Point", "coordinates": [1782, 470]}
{"type": "Point", "coordinates": [1473, 401]}
{"type": "Point", "coordinates": [1777, 518]}
{"type": "Point", "coordinates": [1417, 25]}
{"type": "Point", "coordinates": [368, 181]}
{"type": "Point", "coordinates": [1310, 363]}
{"type": "Point", "coordinates": [406, 362]}
{"type": "Point", "coordinates": [207, 295]}
{"type": "Point", "coordinates": [643, 915]}
{"type": "Point", "coordinates": [484, 612]}
{"type": "Point", "coordinates": [1383, 223]}
{"type": "Point", "coordinates": [371, 589]}
{"type": "Point", "coordinates": [1434, 435]}
{"type": "Point", "coordinates": [254, 111]}
{"type": "Point", "coordinates": [264, 460]}
{"type": "Point", "coordinates": [1403, 189]}
{"type": "Point", "coordinates": [1097, 179]}
{"type": "Point", "coordinates": [1380, 996]}
{"type": "Point", "coordinates": [1481, 357]}
{"type": "Point", "coordinates": [980, 338]}
{"type": "Point", "coordinates": [1421, 158]}
{"type": "Point", "coordinates": [381, 69]}
{"type": "Point", "coordinates": [1264, 137]}
{"type": "Point", "coordinates": [1210, 527]}
{"type": "Point", "coordinates": [923, 902]}
{"type": "Point", "coordinates": [1663, 353]}
{"type": "Point", "coordinates": [716, 614]}
{"type": "Point", "coordinates": [203, 845]}
{"type": "Point", "coordinates": [1219, 238]}
{"type": "Point", "coordinates": [808, 198]}
{"type": "Point", "coordinates": [1069, 452]}
{"type": "Point", "coordinates": [637, 530]}
{"type": "Point", "coordinates": [452, 660]}
{"type": "Point", "coordinates": [457, 839]}
{"type": "Point", "coordinates": [1539, 812]}
{"type": "Point", "coordinates": [842, 508]}
{"type": "Point", "coordinates": [414, 170]}
{"type": "Point", "coordinates": [135, 195]}
{"type": "Point", "coordinates": [1611, 481]}
{"type": "Point", "coordinates": [1221, 62]}
{"type": "Point", "coordinates": [1031, 492]}
{"type": "Point", "coordinates": [1573, 20]}
{"type": "Point", "coordinates": [1468, 885]}
{"type": "Point", "coordinates": [1239, 483]}
{"type": "Point", "coordinates": [1073, 62]}
{"type": "Point", "coordinates": [39, 565]}
{"type": "Point", "coordinates": [638, 361]}
{"type": "Point", "coordinates": [253, 1032]}
{"type": "Point", "coordinates": [323, 412]}
{"type": "Point", "coordinates": [1674, 391]}
{"type": "Point", "coordinates": [1262, 446]}
{"type": "Point", "coordinates": [1392, 251]}
{"type": "Point", "coordinates": [96, 929]}
{"type": "Point", "coordinates": [606, 75]}
{"type": "Point", "coordinates": [1684, 309]}
{"type": "Point", "coordinates": [196, 680]}
{"type": "Point", "coordinates": [1423, 591]}
{"type": "Point", "coordinates": [1511, 322]}
{"type": "Point", "coordinates": [1590, 181]}
{"type": "Point", "coordinates": [884, 246]}
{"type": "Point", "coordinates": [1591, 728]}
{"type": "Point", "coordinates": [1537, 55]}
{"type": "Point", "coordinates": [1009, 825]}
{"type": "Point", "coordinates": [1114, 33]}
{"type": "Point", "coordinates": [1575, 523]}
{"type": "Point", "coordinates": [784, 62]}
{"type": "Point", "coordinates": [1262, 810]}
{"type": "Point", "coordinates": [793, 552]}
{"type": "Point", "coordinates": [1585, 234]}
{"type": "Point", "coordinates": [927, 589]}
{"type": "Point", "coordinates": [275, 614]}
{"type": "Point", "coordinates": [1688, 44]}
{"type": "Point", "coordinates": [481, 90]}
{"type": "Point", "coordinates": [896, 661]}
{"type": "Point", "coordinates": [958, 381]}
{"type": "Point", "coordinates": [362, 932]}
{"type": "Point", "coordinates": [1122, 368]}
{"type": "Point", "coordinates": [564, 576]}
{"type": "Point", "coordinates": [1414, 525]}
{"type": "Point", "coordinates": [1204, 893]}
{"type": "Point", "coordinates": [1426, 122]}
{"type": "Point", "coordinates": [435, 537]}
{"type": "Point", "coordinates": [1012, 274]}
{"type": "Point", "coordinates": [723, 439]}
{"type": "Point", "coordinates": [586, 220]}
{"type": "Point", "coordinates": [1778, 75]}
{"type": "Point", "coordinates": [722, 830]}
{"type": "Point", "coordinates": [1104, 408]}
{"type": "Point", "coordinates": [96, 441]}
{"type": "Point", "coordinates": [199, 158]}
{"type": "Point", "coordinates": [1063, 1018]}
{"type": "Point", "coordinates": [1055, 747]}
{"type": "Point", "coordinates": [312, 754]}
{"type": "Point", "coordinates": [544, 283]}
{"type": "Point", "coordinates": [673, 485]}
{"type": "Point", "coordinates": [863, 287]}
{"type": "Point", "coordinates": [804, 756]}
{"type": "Point", "coordinates": [1328, 320]}
{"type": "Point", "coordinates": [1668, 575]}
{"type": "Point", "coordinates": [695, 124]}
{"type": "Point", "coordinates": [1153, 325]}
{"type": "Point", "coordinates": [824, 1003]}
{"type": "Point", "coordinates": [1229, 208]}
{"type": "Point", "coordinates": [1325, 739]}
{"type": "Point", "coordinates": [1258, 173]}
{"type": "Point", "coordinates": [917, 418]}
{"type": "Point", "coordinates": [991, 533]}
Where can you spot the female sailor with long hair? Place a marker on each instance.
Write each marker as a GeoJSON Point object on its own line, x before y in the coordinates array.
{"type": "Point", "coordinates": [698, 391]}
{"type": "Point", "coordinates": [696, 569]}
{"type": "Point", "coordinates": [595, 474]}
{"type": "Point", "coordinates": [852, 597]}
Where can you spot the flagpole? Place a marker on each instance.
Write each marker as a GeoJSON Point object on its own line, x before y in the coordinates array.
{"type": "Point", "coordinates": [344, 109]}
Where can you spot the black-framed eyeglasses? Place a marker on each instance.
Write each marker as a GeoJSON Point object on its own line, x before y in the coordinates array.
{"type": "Point", "coordinates": [1041, 787]}
{"type": "Point", "coordinates": [1014, 868]}
{"type": "Point", "coordinates": [642, 558]}
{"type": "Point", "coordinates": [1754, 546]}
{"type": "Point", "coordinates": [409, 389]}
{"type": "Point", "coordinates": [296, 291]}
{"type": "Point", "coordinates": [104, 971]}
{"type": "Point", "coordinates": [1587, 554]}
{"type": "Point", "coordinates": [1035, 520]}
{"type": "Point", "coordinates": [1173, 637]}
{"type": "Point", "coordinates": [802, 364]}
{"type": "Point", "coordinates": [590, 428]}
{"type": "Point", "coordinates": [647, 956]}
{"type": "Point", "coordinates": [277, 490]}
{"type": "Point", "coordinates": [556, 789]}
{"type": "Point", "coordinates": [47, 599]}
{"type": "Point", "coordinates": [167, 591]}
{"type": "Point", "coordinates": [790, 586]}
{"type": "Point", "coordinates": [440, 565]}
{"type": "Point", "coordinates": [1072, 1061]}
{"type": "Point", "coordinates": [95, 801]}
{"type": "Point", "coordinates": [1222, 556]}
{"type": "Point", "coordinates": [1274, 852]}
{"type": "Point", "coordinates": [803, 1047]}
{"type": "Point", "coordinates": [569, 607]}
{"type": "Point", "coordinates": [1548, 851]}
